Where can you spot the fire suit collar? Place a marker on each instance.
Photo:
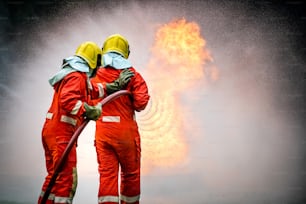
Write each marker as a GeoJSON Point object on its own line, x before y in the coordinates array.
{"type": "Point", "coordinates": [60, 75]}
{"type": "Point", "coordinates": [115, 60]}
{"type": "Point", "coordinates": [77, 63]}
{"type": "Point", "coordinates": [70, 64]}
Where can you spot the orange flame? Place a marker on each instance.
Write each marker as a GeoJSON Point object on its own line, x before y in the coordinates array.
{"type": "Point", "coordinates": [178, 59]}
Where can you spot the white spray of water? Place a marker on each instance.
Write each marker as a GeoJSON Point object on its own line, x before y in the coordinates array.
{"type": "Point", "coordinates": [240, 145]}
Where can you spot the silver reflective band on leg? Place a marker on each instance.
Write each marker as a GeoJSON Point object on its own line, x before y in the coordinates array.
{"type": "Point", "coordinates": [69, 120]}
{"type": "Point", "coordinates": [104, 199]}
{"type": "Point", "coordinates": [50, 197]}
{"type": "Point", "coordinates": [62, 200]}
{"type": "Point", "coordinates": [129, 199]}
{"type": "Point", "coordinates": [115, 119]}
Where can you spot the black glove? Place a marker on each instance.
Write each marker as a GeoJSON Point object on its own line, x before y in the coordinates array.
{"type": "Point", "coordinates": [120, 83]}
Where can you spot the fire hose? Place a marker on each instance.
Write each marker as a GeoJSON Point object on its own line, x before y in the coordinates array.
{"type": "Point", "coordinates": [72, 141]}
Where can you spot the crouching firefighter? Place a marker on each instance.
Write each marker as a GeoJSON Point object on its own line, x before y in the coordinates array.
{"type": "Point", "coordinates": [69, 108]}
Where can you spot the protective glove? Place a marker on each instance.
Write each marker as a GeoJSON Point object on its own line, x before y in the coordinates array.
{"type": "Point", "coordinates": [93, 112]}
{"type": "Point", "coordinates": [120, 83]}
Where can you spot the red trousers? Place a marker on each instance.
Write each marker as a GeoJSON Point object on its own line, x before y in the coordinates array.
{"type": "Point", "coordinates": [118, 150]}
{"type": "Point", "coordinates": [65, 186]}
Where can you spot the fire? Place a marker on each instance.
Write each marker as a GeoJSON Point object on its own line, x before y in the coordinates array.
{"type": "Point", "coordinates": [181, 49]}
{"type": "Point", "coordinates": [178, 59]}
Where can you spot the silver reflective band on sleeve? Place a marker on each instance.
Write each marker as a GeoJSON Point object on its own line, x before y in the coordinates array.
{"type": "Point", "coordinates": [104, 199]}
{"type": "Point", "coordinates": [62, 200]}
{"type": "Point", "coordinates": [89, 84]}
{"type": "Point", "coordinates": [129, 199]}
{"type": "Point", "coordinates": [49, 115]}
{"type": "Point", "coordinates": [69, 120]}
{"type": "Point", "coordinates": [101, 90]}
{"type": "Point", "coordinates": [77, 107]}
{"type": "Point", "coordinates": [115, 119]}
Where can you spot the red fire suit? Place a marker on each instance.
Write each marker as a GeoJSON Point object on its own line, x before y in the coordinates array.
{"type": "Point", "coordinates": [63, 118]}
{"type": "Point", "coordinates": [117, 140]}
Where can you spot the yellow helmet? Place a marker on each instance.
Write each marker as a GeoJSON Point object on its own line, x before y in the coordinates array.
{"type": "Point", "coordinates": [91, 53]}
{"type": "Point", "coordinates": [116, 43]}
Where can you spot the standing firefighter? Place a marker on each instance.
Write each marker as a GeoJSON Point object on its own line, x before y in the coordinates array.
{"type": "Point", "coordinates": [117, 138]}
{"type": "Point", "coordinates": [69, 108]}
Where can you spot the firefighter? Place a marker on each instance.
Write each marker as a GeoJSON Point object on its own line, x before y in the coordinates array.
{"type": "Point", "coordinates": [72, 93]}
{"type": "Point", "coordinates": [117, 138]}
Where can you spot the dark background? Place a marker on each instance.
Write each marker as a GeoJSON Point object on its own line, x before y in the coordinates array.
{"type": "Point", "coordinates": [20, 19]}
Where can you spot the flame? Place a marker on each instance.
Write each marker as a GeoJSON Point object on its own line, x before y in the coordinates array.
{"type": "Point", "coordinates": [178, 59]}
{"type": "Point", "coordinates": [180, 48]}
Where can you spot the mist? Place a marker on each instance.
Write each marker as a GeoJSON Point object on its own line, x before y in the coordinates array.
{"type": "Point", "coordinates": [243, 147]}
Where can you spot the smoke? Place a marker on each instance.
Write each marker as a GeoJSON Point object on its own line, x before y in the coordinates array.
{"type": "Point", "coordinates": [240, 143]}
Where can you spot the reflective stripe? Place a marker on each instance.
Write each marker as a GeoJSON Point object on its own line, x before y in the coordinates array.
{"type": "Point", "coordinates": [77, 107]}
{"type": "Point", "coordinates": [49, 115]}
{"type": "Point", "coordinates": [64, 118]}
{"type": "Point", "coordinates": [130, 199]}
{"type": "Point", "coordinates": [101, 90]}
{"type": "Point", "coordinates": [111, 119]}
{"type": "Point", "coordinates": [69, 120]}
{"type": "Point", "coordinates": [62, 200]}
{"type": "Point", "coordinates": [75, 182]}
{"type": "Point", "coordinates": [89, 84]}
{"type": "Point", "coordinates": [57, 199]}
{"type": "Point", "coordinates": [104, 199]}
{"type": "Point", "coordinates": [50, 197]}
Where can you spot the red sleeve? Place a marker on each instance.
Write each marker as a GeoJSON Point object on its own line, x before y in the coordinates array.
{"type": "Point", "coordinates": [98, 90]}
{"type": "Point", "coordinates": [139, 92]}
{"type": "Point", "coordinates": [73, 93]}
